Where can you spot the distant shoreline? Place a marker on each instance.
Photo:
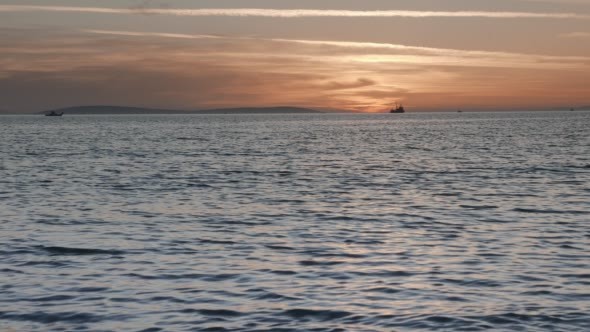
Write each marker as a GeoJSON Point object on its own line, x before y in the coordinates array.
{"type": "Point", "coordinates": [125, 110]}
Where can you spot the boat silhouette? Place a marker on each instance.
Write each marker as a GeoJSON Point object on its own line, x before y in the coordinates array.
{"type": "Point", "coordinates": [398, 109]}
{"type": "Point", "coordinates": [53, 113]}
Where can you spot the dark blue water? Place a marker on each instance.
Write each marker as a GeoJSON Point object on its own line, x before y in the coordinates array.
{"type": "Point", "coordinates": [447, 222]}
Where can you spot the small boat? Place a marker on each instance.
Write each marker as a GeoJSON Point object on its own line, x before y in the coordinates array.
{"type": "Point", "coordinates": [398, 109]}
{"type": "Point", "coordinates": [53, 113]}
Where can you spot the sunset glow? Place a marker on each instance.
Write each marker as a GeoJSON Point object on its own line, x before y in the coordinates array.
{"type": "Point", "coordinates": [175, 54]}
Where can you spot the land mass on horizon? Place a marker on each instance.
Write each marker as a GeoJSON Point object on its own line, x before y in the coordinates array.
{"type": "Point", "coordinates": [114, 110]}
{"type": "Point", "coordinates": [130, 110]}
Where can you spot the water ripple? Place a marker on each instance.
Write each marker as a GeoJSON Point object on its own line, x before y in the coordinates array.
{"type": "Point", "coordinates": [433, 222]}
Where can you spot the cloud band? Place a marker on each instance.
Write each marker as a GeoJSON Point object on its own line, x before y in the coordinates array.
{"type": "Point", "coordinates": [293, 13]}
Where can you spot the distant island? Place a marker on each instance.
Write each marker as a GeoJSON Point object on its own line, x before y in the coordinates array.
{"type": "Point", "coordinates": [114, 110]}
{"type": "Point", "coordinates": [129, 110]}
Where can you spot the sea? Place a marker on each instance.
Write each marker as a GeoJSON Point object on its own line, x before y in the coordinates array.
{"type": "Point", "coordinates": [296, 222]}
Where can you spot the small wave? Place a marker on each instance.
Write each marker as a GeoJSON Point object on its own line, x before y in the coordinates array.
{"type": "Point", "coordinates": [321, 315]}
{"type": "Point", "coordinates": [569, 246]}
{"type": "Point", "coordinates": [262, 294]}
{"type": "Point", "coordinates": [11, 271]}
{"type": "Point", "coordinates": [576, 276]}
{"type": "Point", "coordinates": [220, 277]}
{"type": "Point", "coordinates": [437, 322]}
{"type": "Point", "coordinates": [479, 207]}
{"type": "Point", "coordinates": [524, 210]}
{"type": "Point", "coordinates": [441, 319]}
{"type": "Point", "coordinates": [208, 241]}
{"type": "Point", "coordinates": [529, 278]}
{"type": "Point", "coordinates": [285, 173]}
{"type": "Point", "coordinates": [204, 277]}
{"type": "Point", "coordinates": [537, 293]}
{"type": "Point", "coordinates": [283, 272]}
{"type": "Point", "coordinates": [245, 223]}
{"type": "Point", "coordinates": [546, 169]}
{"type": "Point", "coordinates": [351, 241]}
{"type": "Point", "coordinates": [515, 318]}
{"type": "Point", "coordinates": [53, 298]}
{"type": "Point", "coordinates": [167, 299]}
{"type": "Point", "coordinates": [344, 255]}
{"type": "Point", "coordinates": [192, 139]}
{"type": "Point", "coordinates": [456, 299]}
{"type": "Point", "coordinates": [316, 263]}
{"type": "Point", "coordinates": [198, 185]}
{"type": "Point", "coordinates": [56, 250]}
{"type": "Point", "coordinates": [339, 218]}
{"type": "Point", "coordinates": [472, 282]}
{"type": "Point", "coordinates": [220, 313]}
{"type": "Point", "coordinates": [89, 289]}
{"type": "Point", "coordinates": [410, 147]}
{"type": "Point", "coordinates": [51, 264]}
{"type": "Point", "coordinates": [385, 290]}
{"type": "Point", "coordinates": [275, 247]}
{"type": "Point", "coordinates": [124, 300]}
{"type": "Point", "coordinates": [412, 215]}
{"type": "Point", "coordinates": [274, 296]}
{"type": "Point", "coordinates": [496, 221]}
{"type": "Point", "coordinates": [448, 194]}
{"type": "Point", "coordinates": [48, 318]}
{"type": "Point", "coordinates": [391, 274]}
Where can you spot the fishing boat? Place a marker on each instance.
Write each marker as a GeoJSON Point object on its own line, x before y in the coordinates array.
{"type": "Point", "coordinates": [54, 113]}
{"type": "Point", "coordinates": [398, 109]}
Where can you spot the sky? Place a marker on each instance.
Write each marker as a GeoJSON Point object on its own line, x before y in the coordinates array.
{"type": "Point", "coordinates": [328, 54]}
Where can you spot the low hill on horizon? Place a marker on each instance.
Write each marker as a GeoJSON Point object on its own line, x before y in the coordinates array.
{"type": "Point", "coordinates": [130, 110]}
{"type": "Point", "coordinates": [113, 110]}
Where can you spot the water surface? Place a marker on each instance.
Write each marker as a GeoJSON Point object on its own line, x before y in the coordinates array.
{"type": "Point", "coordinates": [447, 222]}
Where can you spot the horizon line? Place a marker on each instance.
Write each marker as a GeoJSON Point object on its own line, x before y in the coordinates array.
{"type": "Point", "coordinates": [312, 108]}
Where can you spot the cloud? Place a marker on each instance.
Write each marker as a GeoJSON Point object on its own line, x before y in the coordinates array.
{"type": "Point", "coordinates": [360, 83]}
{"type": "Point", "coordinates": [292, 13]}
{"type": "Point", "coordinates": [576, 35]}
{"type": "Point", "coordinates": [375, 53]}
{"type": "Point", "coordinates": [580, 2]}
{"type": "Point", "coordinates": [179, 71]}
{"type": "Point", "coordinates": [150, 34]}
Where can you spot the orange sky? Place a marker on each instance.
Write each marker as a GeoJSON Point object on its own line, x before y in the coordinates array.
{"type": "Point", "coordinates": [331, 54]}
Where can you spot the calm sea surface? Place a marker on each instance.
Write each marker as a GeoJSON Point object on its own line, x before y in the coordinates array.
{"type": "Point", "coordinates": [447, 222]}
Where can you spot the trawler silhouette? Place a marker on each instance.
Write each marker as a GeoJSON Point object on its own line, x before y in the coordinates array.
{"type": "Point", "coordinates": [398, 109]}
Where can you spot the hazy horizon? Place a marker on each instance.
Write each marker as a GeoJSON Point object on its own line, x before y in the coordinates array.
{"type": "Point", "coordinates": [125, 109]}
{"type": "Point", "coordinates": [509, 54]}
